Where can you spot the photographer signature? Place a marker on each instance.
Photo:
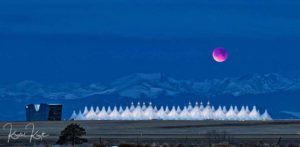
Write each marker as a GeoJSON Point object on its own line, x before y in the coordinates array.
{"type": "Point", "coordinates": [15, 134]}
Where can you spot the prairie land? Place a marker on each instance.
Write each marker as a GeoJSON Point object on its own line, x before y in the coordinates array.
{"type": "Point", "coordinates": [174, 132]}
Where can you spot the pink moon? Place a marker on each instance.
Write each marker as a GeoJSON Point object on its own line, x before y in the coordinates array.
{"type": "Point", "coordinates": [220, 54]}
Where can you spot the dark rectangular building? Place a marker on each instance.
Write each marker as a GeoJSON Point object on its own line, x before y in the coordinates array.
{"type": "Point", "coordinates": [55, 112]}
{"type": "Point", "coordinates": [44, 112]}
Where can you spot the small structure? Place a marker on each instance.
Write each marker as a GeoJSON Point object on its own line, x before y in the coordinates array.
{"type": "Point", "coordinates": [43, 112]}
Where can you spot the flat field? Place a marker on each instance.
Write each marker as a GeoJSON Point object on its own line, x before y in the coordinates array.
{"type": "Point", "coordinates": [175, 132]}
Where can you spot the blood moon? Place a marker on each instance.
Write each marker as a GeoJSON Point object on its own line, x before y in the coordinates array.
{"type": "Point", "coordinates": [220, 54]}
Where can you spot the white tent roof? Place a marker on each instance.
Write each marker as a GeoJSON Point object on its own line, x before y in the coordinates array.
{"type": "Point", "coordinates": [190, 112]}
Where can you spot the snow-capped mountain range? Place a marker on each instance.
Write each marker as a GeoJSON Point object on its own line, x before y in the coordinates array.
{"type": "Point", "coordinates": [154, 85]}
{"type": "Point", "coordinates": [273, 92]}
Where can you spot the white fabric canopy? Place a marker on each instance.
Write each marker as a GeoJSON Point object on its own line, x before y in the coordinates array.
{"type": "Point", "coordinates": [196, 112]}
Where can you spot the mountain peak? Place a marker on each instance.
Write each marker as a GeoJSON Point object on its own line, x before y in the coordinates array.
{"type": "Point", "coordinates": [155, 84]}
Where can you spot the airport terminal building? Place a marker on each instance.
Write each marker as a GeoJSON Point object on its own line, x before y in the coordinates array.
{"type": "Point", "coordinates": [43, 112]}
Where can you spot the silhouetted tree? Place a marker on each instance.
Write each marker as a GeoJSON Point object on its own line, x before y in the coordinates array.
{"type": "Point", "coordinates": [72, 134]}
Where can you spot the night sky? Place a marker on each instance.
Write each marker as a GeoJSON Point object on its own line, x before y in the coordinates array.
{"type": "Point", "coordinates": [100, 40]}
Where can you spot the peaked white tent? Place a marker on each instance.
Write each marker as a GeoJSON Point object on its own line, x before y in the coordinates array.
{"type": "Point", "coordinates": [190, 112]}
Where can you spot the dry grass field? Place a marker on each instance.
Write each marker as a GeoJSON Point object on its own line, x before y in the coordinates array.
{"type": "Point", "coordinates": [159, 132]}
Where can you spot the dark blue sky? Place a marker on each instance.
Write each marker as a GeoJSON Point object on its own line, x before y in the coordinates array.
{"type": "Point", "coordinates": [99, 40]}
